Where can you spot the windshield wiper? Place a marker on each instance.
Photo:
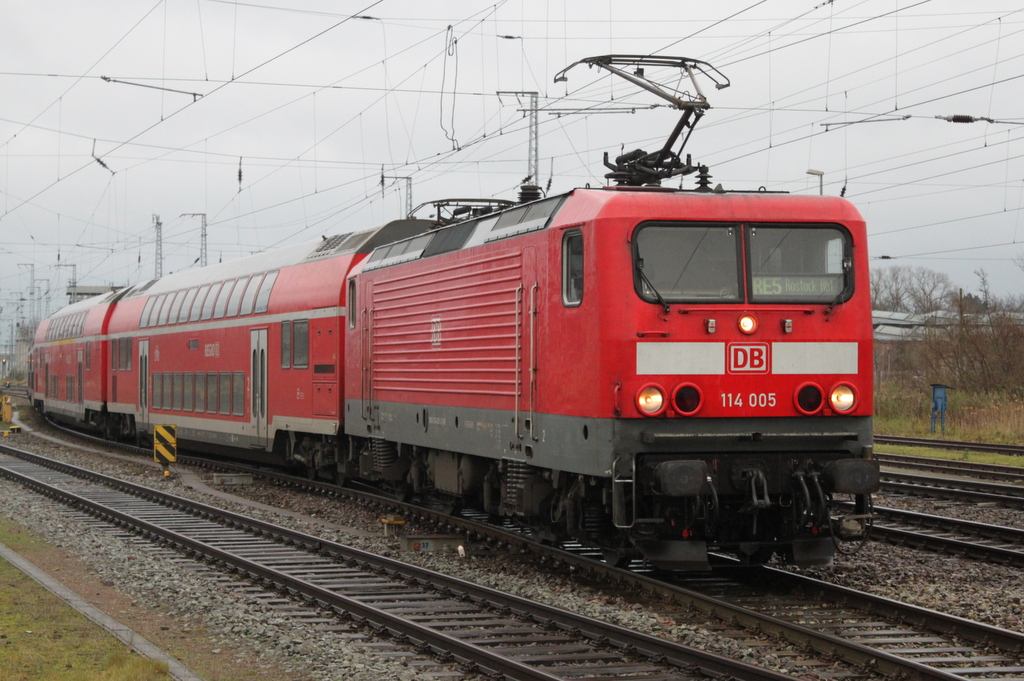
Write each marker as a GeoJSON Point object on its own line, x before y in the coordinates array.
{"type": "Point", "coordinates": [832, 305]}
{"type": "Point", "coordinates": [640, 270]}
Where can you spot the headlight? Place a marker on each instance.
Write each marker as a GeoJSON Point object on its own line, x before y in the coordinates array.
{"type": "Point", "coordinates": [650, 400]}
{"type": "Point", "coordinates": [748, 324]}
{"type": "Point", "coordinates": [687, 399]}
{"type": "Point", "coordinates": [842, 398]}
{"type": "Point", "coordinates": [809, 398]}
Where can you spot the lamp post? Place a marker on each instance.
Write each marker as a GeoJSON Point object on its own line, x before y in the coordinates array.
{"type": "Point", "coordinates": [821, 179]}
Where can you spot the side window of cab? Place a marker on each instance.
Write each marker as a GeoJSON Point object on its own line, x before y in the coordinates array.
{"type": "Point", "coordinates": [572, 268]}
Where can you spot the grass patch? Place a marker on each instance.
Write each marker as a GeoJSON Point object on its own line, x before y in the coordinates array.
{"type": "Point", "coordinates": [42, 638]}
{"type": "Point", "coordinates": [971, 416]}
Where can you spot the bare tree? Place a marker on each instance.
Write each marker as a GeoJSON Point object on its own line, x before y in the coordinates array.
{"type": "Point", "coordinates": [890, 289]}
{"type": "Point", "coordinates": [911, 289]}
{"type": "Point", "coordinates": [930, 291]}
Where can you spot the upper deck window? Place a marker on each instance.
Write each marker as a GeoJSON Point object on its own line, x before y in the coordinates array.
{"type": "Point", "coordinates": [236, 297]}
{"type": "Point", "coordinates": [186, 307]}
{"type": "Point", "coordinates": [250, 295]}
{"type": "Point", "coordinates": [263, 299]}
{"type": "Point", "coordinates": [166, 309]}
{"type": "Point", "coordinates": [222, 301]}
{"type": "Point", "coordinates": [805, 264]}
{"type": "Point", "coordinates": [176, 306]}
{"type": "Point", "coordinates": [155, 312]}
{"type": "Point", "coordinates": [211, 298]}
{"type": "Point", "coordinates": [144, 320]}
{"type": "Point", "coordinates": [687, 262]}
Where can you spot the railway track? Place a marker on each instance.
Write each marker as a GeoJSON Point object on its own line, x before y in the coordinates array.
{"type": "Point", "coordinates": [985, 471]}
{"type": "Point", "coordinates": [957, 489]}
{"type": "Point", "coordinates": [483, 630]}
{"type": "Point", "coordinates": [995, 543]}
{"type": "Point", "coordinates": [869, 632]}
{"type": "Point", "coordinates": [1013, 450]}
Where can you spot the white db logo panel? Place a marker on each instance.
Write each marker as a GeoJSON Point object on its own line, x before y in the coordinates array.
{"type": "Point", "coordinates": [748, 358]}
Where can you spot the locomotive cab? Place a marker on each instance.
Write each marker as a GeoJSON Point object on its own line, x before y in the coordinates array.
{"type": "Point", "coordinates": [749, 407]}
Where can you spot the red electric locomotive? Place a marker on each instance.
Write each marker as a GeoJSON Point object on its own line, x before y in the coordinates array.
{"type": "Point", "coordinates": [656, 372]}
{"type": "Point", "coordinates": [659, 370]}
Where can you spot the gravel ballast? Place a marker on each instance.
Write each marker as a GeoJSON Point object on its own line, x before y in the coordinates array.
{"type": "Point", "coordinates": [966, 588]}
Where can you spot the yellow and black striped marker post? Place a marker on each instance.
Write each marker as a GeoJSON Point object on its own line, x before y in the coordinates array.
{"type": "Point", "coordinates": [165, 446]}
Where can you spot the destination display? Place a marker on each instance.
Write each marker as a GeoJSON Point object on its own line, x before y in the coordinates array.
{"type": "Point", "coordinates": [802, 287]}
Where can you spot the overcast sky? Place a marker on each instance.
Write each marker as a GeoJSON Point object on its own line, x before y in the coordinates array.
{"type": "Point", "coordinates": [277, 120]}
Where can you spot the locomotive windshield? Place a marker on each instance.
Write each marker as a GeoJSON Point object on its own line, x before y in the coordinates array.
{"type": "Point", "coordinates": [800, 264]}
{"type": "Point", "coordinates": [685, 262]}
{"type": "Point", "coordinates": [679, 262]}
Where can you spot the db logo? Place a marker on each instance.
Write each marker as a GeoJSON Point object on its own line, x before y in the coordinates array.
{"type": "Point", "coordinates": [748, 358]}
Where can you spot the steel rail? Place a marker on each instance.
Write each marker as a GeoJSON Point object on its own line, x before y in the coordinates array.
{"type": "Point", "coordinates": [824, 643]}
{"type": "Point", "coordinates": [988, 471]}
{"type": "Point", "coordinates": [969, 543]}
{"type": "Point", "coordinates": [469, 655]}
{"type": "Point", "coordinates": [954, 488]}
{"type": "Point", "coordinates": [898, 440]}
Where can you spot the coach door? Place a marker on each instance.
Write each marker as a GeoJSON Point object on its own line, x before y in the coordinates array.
{"type": "Point", "coordinates": [258, 401]}
{"type": "Point", "coordinates": [143, 397]}
{"type": "Point", "coordinates": [81, 375]}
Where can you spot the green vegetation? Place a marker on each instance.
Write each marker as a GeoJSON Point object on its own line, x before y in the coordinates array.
{"type": "Point", "coordinates": [971, 416]}
{"type": "Point", "coordinates": [42, 638]}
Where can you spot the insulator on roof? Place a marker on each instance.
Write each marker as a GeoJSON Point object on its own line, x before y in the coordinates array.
{"type": "Point", "coordinates": [530, 192]}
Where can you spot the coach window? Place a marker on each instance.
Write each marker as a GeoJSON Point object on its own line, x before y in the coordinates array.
{"type": "Point", "coordinates": [238, 393]}
{"type": "Point", "coordinates": [189, 392]}
{"type": "Point", "coordinates": [211, 299]}
{"type": "Point", "coordinates": [176, 306]}
{"type": "Point", "coordinates": [168, 390]}
{"type": "Point", "coordinates": [225, 392]}
{"type": "Point", "coordinates": [157, 391]}
{"type": "Point", "coordinates": [178, 391]}
{"type": "Point", "coordinates": [211, 393]}
{"type": "Point", "coordinates": [286, 345]}
{"type": "Point", "coordinates": [350, 312]}
{"type": "Point", "coordinates": [250, 295]}
{"type": "Point", "coordinates": [88, 355]}
{"type": "Point", "coordinates": [222, 300]}
{"type": "Point", "coordinates": [154, 314]}
{"type": "Point", "coordinates": [263, 297]}
{"type": "Point", "coordinates": [186, 307]}
{"type": "Point", "coordinates": [200, 392]}
{"type": "Point", "coordinates": [197, 306]}
{"type": "Point", "coordinates": [113, 354]}
{"type": "Point", "coordinates": [125, 352]}
{"type": "Point", "coordinates": [236, 297]}
{"type": "Point", "coordinates": [144, 319]}
{"type": "Point", "coordinates": [165, 311]}
{"type": "Point", "coordinates": [300, 344]}
{"type": "Point", "coordinates": [572, 269]}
